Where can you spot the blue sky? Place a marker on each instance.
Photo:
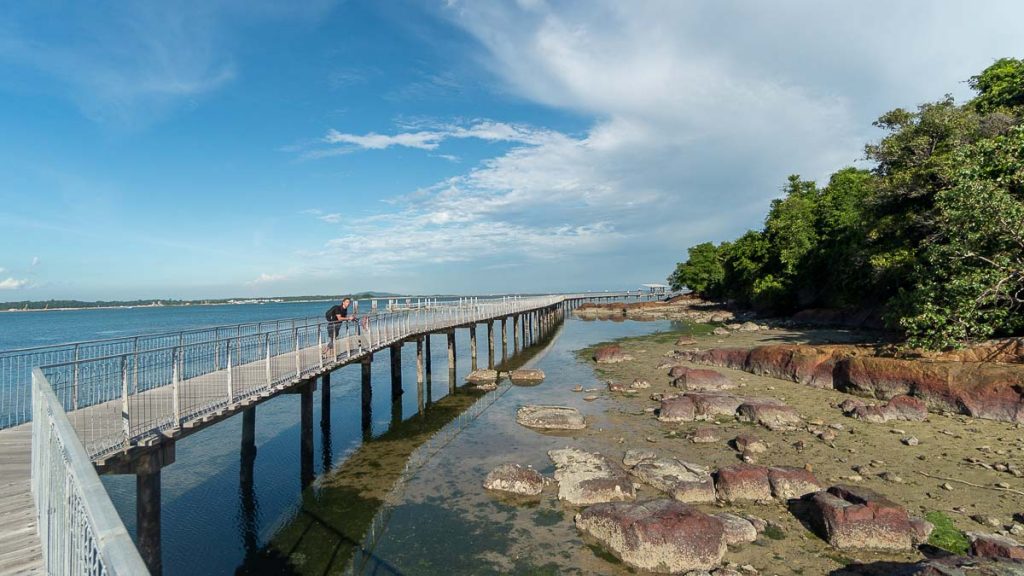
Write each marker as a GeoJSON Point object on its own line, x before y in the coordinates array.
{"type": "Point", "coordinates": [223, 148]}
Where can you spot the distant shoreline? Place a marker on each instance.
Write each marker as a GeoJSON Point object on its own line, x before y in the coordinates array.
{"type": "Point", "coordinates": [39, 306]}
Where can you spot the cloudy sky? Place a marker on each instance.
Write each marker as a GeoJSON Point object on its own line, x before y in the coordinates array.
{"type": "Point", "coordinates": [249, 147]}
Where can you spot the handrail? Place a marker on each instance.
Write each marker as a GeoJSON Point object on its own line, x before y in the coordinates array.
{"type": "Point", "coordinates": [81, 530]}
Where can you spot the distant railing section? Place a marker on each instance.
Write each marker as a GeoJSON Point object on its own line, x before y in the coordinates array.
{"type": "Point", "coordinates": [16, 365]}
{"type": "Point", "coordinates": [81, 531]}
{"type": "Point", "coordinates": [130, 398]}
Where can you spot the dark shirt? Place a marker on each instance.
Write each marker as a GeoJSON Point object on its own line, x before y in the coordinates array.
{"type": "Point", "coordinates": [337, 310]}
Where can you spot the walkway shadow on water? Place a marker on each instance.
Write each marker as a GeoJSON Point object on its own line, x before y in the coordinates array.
{"type": "Point", "coordinates": [328, 531]}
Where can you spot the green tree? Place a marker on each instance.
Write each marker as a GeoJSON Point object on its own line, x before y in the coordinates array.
{"type": "Point", "coordinates": [973, 270]}
{"type": "Point", "coordinates": [1001, 85]}
{"type": "Point", "coordinates": [702, 272]}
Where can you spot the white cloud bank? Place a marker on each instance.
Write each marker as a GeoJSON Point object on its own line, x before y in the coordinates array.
{"type": "Point", "coordinates": [11, 283]}
{"type": "Point", "coordinates": [700, 111]}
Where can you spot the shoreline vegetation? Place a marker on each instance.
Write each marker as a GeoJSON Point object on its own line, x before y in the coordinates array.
{"type": "Point", "coordinates": [927, 243]}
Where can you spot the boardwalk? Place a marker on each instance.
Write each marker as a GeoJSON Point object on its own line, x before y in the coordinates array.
{"type": "Point", "coordinates": [128, 408]}
{"type": "Point", "coordinates": [20, 550]}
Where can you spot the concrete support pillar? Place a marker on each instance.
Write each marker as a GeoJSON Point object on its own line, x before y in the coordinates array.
{"type": "Point", "coordinates": [420, 404]}
{"type": "Point", "coordinates": [451, 361]}
{"type": "Point", "coordinates": [504, 339]}
{"type": "Point", "coordinates": [246, 482]}
{"type": "Point", "coordinates": [490, 344]}
{"type": "Point", "coordinates": [306, 432]}
{"type": "Point", "coordinates": [515, 333]}
{"type": "Point", "coordinates": [367, 395]}
{"type": "Point", "coordinates": [427, 360]}
{"type": "Point", "coordinates": [325, 399]}
{"type": "Point", "coordinates": [522, 328]}
{"type": "Point", "coordinates": [147, 514]}
{"type": "Point", "coordinates": [396, 371]}
{"type": "Point", "coordinates": [472, 346]}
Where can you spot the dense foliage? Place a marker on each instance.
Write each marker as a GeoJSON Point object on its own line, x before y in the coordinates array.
{"type": "Point", "coordinates": [932, 236]}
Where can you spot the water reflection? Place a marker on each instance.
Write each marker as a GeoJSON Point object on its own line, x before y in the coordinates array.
{"type": "Point", "coordinates": [338, 509]}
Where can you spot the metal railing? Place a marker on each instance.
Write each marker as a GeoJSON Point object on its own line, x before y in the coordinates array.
{"type": "Point", "coordinates": [130, 397]}
{"type": "Point", "coordinates": [16, 365]}
{"type": "Point", "coordinates": [79, 527]}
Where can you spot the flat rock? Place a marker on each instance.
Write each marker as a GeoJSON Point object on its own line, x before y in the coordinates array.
{"type": "Point", "coordinates": [699, 379]}
{"type": "Point", "coordinates": [611, 354]}
{"type": "Point", "coordinates": [750, 443]}
{"type": "Point", "coordinates": [685, 341]}
{"type": "Point", "coordinates": [482, 376]}
{"type": "Point", "coordinates": [526, 376]}
{"type": "Point", "coordinates": [748, 327]}
{"type": "Point", "coordinates": [662, 536]}
{"type": "Point", "coordinates": [855, 518]}
{"type": "Point", "coordinates": [550, 418]}
{"type": "Point", "coordinates": [677, 409]}
{"type": "Point", "coordinates": [790, 482]}
{"type": "Point", "coordinates": [769, 413]}
{"type": "Point", "coordinates": [738, 530]}
{"type": "Point", "coordinates": [515, 479]}
{"type": "Point", "coordinates": [589, 478]}
{"type": "Point", "coordinates": [743, 482]}
{"type": "Point", "coordinates": [710, 404]}
{"type": "Point", "coordinates": [995, 546]}
{"type": "Point", "coordinates": [665, 473]}
{"type": "Point", "coordinates": [705, 435]}
{"type": "Point", "coordinates": [635, 456]}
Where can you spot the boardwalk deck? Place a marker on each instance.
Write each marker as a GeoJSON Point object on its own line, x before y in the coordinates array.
{"type": "Point", "coordinates": [20, 548]}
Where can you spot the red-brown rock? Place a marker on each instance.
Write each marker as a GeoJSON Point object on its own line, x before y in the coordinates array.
{"type": "Point", "coordinates": [663, 536]}
{"type": "Point", "coordinates": [853, 518]}
{"type": "Point", "coordinates": [790, 482]}
{"type": "Point", "coordinates": [995, 546]}
{"type": "Point", "coordinates": [700, 379]}
{"type": "Point", "coordinates": [769, 413]}
{"type": "Point", "coordinates": [610, 354]}
{"type": "Point", "coordinates": [710, 404]}
{"type": "Point", "coordinates": [750, 443]}
{"type": "Point", "coordinates": [677, 409]}
{"type": "Point", "coordinates": [742, 482]}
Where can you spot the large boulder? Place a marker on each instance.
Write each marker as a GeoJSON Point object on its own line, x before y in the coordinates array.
{"type": "Point", "coordinates": [515, 479]}
{"type": "Point", "coordinates": [900, 407]}
{"type": "Point", "coordinates": [770, 413]}
{"type": "Point", "coordinates": [854, 518]}
{"type": "Point", "coordinates": [708, 404]}
{"type": "Point", "coordinates": [589, 478]}
{"type": "Point", "coordinates": [738, 530]}
{"type": "Point", "coordinates": [683, 481]}
{"type": "Point", "coordinates": [790, 482]}
{"type": "Point", "coordinates": [995, 546]}
{"type": "Point", "coordinates": [662, 536]}
{"type": "Point", "coordinates": [677, 409]}
{"type": "Point", "coordinates": [742, 482]}
{"type": "Point", "coordinates": [699, 379]}
{"type": "Point", "coordinates": [611, 354]}
{"type": "Point", "coordinates": [551, 418]}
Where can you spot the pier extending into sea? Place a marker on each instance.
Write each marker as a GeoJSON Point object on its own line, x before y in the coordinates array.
{"type": "Point", "coordinates": [69, 413]}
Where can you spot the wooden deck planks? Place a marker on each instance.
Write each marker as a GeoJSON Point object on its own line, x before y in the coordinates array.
{"type": "Point", "coordinates": [20, 547]}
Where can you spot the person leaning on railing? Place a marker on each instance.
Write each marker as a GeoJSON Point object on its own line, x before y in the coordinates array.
{"type": "Point", "coordinates": [336, 315]}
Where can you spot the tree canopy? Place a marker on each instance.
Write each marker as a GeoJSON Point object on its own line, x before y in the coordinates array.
{"type": "Point", "coordinates": [932, 235]}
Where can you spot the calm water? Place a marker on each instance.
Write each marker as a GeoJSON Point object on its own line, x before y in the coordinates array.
{"type": "Point", "coordinates": [442, 523]}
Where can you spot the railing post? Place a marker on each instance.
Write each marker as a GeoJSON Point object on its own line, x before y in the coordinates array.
{"type": "Point", "coordinates": [126, 424]}
{"type": "Point", "coordinates": [320, 345]}
{"type": "Point", "coordinates": [175, 383]}
{"type": "Point", "coordinates": [298, 360]}
{"type": "Point", "coordinates": [74, 385]}
{"type": "Point", "coordinates": [231, 383]}
{"type": "Point", "coordinates": [269, 374]}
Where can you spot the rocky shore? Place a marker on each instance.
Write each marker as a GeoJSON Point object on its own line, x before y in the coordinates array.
{"type": "Point", "coordinates": [763, 449]}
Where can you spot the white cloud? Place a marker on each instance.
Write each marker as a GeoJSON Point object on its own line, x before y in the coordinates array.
{"type": "Point", "coordinates": [265, 278]}
{"type": "Point", "coordinates": [35, 261]}
{"type": "Point", "coordinates": [332, 218]}
{"type": "Point", "coordinates": [13, 284]}
{"type": "Point", "coordinates": [699, 111]}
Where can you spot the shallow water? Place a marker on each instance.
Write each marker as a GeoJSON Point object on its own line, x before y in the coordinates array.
{"type": "Point", "coordinates": [215, 523]}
